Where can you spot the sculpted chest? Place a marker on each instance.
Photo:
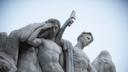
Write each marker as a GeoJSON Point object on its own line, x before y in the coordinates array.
{"type": "Point", "coordinates": [51, 46]}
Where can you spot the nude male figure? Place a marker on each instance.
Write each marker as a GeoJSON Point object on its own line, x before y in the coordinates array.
{"type": "Point", "coordinates": [81, 61]}
{"type": "Point", "coordinates": [49, 50]}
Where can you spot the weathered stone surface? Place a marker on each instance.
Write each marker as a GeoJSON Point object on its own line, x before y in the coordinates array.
{"type": "Point", "coordinates": [81, 61]}
{"type": "Point", "coordinates": [103, 62]}
{"type": "Point", "coordinates": [27, 59]}
{"type": "Point", "coordinates": [48, 56]}
{"type": "Point", "coordinates": [39, 47]}
{"type": "Point", "coordinates": [8, 53]}
{"type": "Point", "coordinates": [68, 56]}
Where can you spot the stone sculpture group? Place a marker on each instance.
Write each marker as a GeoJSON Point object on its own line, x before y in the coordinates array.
{"type": "Point", "coordinates": [39, 47]}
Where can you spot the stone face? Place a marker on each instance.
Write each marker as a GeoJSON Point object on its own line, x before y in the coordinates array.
{"type": "Point", "coordinates": [103, 62]}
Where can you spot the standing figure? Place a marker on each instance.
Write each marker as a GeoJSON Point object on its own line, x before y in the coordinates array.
{"type": "Point", "coordinates": [81, 61]}
{"type": "Point", "coordinates": [50, 50]}
{"type": "Point", "coordinates": [103, 62]}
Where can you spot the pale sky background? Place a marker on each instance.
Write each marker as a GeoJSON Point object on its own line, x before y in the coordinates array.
{"type": "Point", "coordinates": [107, 20]}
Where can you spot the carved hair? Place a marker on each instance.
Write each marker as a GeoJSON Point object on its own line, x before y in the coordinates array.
{"type": "Point", "coordinates": [53, 21]}
{"type": "Point", "coordinates": [83, 34]}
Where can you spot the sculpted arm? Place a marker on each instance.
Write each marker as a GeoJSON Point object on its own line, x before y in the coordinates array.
{"type": "Point", "coordinates": [68, 22]}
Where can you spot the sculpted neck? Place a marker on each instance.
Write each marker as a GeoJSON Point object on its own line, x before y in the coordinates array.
{"type": "Point", "coordinates": [79, 45]}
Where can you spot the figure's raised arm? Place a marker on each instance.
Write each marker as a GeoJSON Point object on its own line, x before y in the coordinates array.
{"type": "Point", "coordinates": [68, 22]}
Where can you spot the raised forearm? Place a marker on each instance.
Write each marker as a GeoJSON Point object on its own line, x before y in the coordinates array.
{"type": "Point", "coordinates": [61, 31]}
{"type": "Point", "coordinates": [68, 22]}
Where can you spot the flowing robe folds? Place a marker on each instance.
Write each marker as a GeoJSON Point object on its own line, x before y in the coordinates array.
{"type": "Point", "coordinates": [28, 41]}
{"type": "Point", "coordinates": [8, 53]}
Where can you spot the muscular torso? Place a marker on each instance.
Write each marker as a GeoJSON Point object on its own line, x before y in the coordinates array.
{"type": "Point", "coordinates": [48, 55]}
{"type": "Point", "coordinates": [81, 61]}
{"type": "Point", "coordinates": [49, 51]}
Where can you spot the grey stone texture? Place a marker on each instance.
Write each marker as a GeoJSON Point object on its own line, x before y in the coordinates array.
{"type": "Point", "coordinates": [103, 62]}
{"type": "Point", "coordinates": [39, 47]}
{"type": "Point", "coordinates": [80, 59]}
{"type": "Point", "coordinates": [8, 53]}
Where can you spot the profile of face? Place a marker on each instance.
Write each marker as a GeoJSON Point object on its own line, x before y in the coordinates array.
{"type": "Point", "coordinates": [85, 38]}
{"type": "Point", "coordinates": [50, 32]}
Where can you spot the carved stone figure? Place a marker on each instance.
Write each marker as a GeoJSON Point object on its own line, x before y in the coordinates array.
{"type": "Point", "coordinates": [49, 51]}
{"type": "Point", "coordinates": [103, 62]}
{"type": "Point", "coordinates": [49, 55]}
{"type": "Point", "coordinates": [29, 38]}
{"type": "Point", "coordinates": [81, 61]}
{"type": "Point", "coordinates": [28, 41]}
{"type": "Point", "coordinates": [44, 34]}
{"type": "Point", "coordinates": [39, 47]}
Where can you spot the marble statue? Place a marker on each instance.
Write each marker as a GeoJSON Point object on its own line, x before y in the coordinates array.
{"type": "Point", "coordinates": [49, 55]}
{"type": "Point", "coordinates": [39, 47]}
{"type": "Point", "coordinates": [81, 60]}
{"type": "Point", "coordinates": [103, 62]}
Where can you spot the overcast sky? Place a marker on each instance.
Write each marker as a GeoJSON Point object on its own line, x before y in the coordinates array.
{"type": "Point", "coordinates": [107, 20]}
